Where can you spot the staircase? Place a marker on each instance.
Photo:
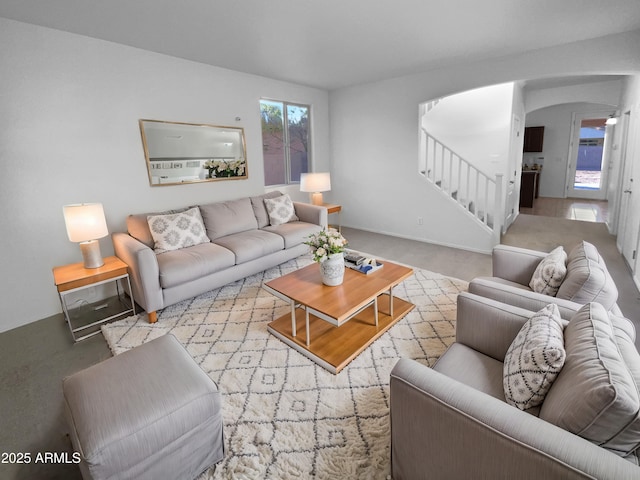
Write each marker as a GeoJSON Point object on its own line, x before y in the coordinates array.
{"type": "Point", "coordinates": [479, 195]}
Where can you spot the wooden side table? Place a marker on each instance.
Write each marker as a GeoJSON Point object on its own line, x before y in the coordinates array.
{"type": "Point", "coordinates": [331, 208]}
{"type": "Point", "coordinates": [74, 277]}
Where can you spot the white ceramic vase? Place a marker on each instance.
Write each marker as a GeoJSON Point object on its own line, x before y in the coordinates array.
{"type": "Point", "coordinates": [332, 270]}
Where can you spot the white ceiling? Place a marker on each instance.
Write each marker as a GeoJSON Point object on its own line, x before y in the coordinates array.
{"type": "Point", "coordinates": [332, 43]}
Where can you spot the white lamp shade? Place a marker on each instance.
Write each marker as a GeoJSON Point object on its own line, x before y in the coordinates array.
{"type": "Point", "coordinates": [85, 222]}
{"type": "Point", "coordinates": [315, 182]}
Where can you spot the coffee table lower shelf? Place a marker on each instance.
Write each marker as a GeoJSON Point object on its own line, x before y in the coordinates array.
{"type": "Point", "coordinates": [334, 347]}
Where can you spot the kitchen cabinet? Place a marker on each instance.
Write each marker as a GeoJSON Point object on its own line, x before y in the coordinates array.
{"type": "Point", "coordinates": [533, 139]}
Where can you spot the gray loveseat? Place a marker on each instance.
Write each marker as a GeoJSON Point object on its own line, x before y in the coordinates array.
{"type": "Point", "coordinates": [452, 420]}
{"type": "Point", "coordinates": [240, 241]}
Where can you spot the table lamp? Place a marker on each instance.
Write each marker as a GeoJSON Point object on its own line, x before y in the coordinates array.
{"type": "Point", "coordinates": [315, 184]}
{"type": "Point", "coordinates": [85, 224]}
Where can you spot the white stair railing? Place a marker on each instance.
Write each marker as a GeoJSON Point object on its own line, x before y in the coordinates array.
{"type": "Point", "coordinates": [473, 190]}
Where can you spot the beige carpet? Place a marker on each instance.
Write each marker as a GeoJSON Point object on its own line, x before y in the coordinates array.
{"type": "Point", "coordinates": [546, 233]}
{"type": "Point", "coordinates": [284, 416]}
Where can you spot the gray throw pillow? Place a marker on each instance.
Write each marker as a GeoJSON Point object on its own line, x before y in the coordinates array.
{"type": "Point", "coordinates": [588, 279]}
{"type": "Point", "coordinates": [177, 230]}
{"type": "Point", "coordinates": [280, 210]}
{"type": "Point", "coordinates": [260, 210]}
{"type": "Point", "coordinates": [138, 225]}
{"type": "Point", "coordinates": [550, 273]}
{"type": "Point", "coordinates": [534, 359]}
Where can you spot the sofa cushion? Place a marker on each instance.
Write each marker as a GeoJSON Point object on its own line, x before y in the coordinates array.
{"type": "Point", "coordinates": [294, 233]}
{"type": "Point", "coordinates": [280, 210]}
{"type": "Point", "coordinates": [550, 273]}
{"type": "Point", "coordinates": [534, 359]}
{"type": "Point", "coordinates": [473, 368]}
{"type": "Point", "coordinates": [177, 230]}
{"type": "Point", "coordinates": [180, 266]}
{"type": "Point", "coordinates": [588, 279]}
{"type": "Point", "coordinates": [251, 244]}
{"type": "Point", "coordinates": [596, 394]}
{"type": "Point", "coordinates": [226, 218]}
{"type": "Point", "coordinates": [259, 208]}
{"type": "Point", "coordinates": [138, 225]}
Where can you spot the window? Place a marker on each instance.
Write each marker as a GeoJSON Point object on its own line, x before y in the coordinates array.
{"type": "Point", "coordinates": [285, 141]}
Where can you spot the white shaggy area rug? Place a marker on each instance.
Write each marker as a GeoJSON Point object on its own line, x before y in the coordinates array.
{"type": "Point", "coordinates": [284, 416]}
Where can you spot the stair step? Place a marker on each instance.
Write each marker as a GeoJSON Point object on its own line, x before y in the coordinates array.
{"type": "Point", "coordinates": [470, 206]}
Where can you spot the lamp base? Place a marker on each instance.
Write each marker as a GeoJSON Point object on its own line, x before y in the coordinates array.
{"type": "Point", "coordinates": [91, 254]}
{"type": "Point", "coordinates": [316, 198]}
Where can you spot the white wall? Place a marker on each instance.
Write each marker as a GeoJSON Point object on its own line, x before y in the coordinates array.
{"type": "Point", "coordinates": [628, 227]}
{"type": "Point", "coordinates": [552, 108]}
{"type": "Point", "coordinates": [476, 125]}
{"type": "Point", "coordinates": [513, 177]}
{"type": "Point", "coordinates": [629, 104]}
{"type": "Point", "coordinates": [69, 133]}
{"type": "Point", "coordinates": [554, 158]}
{"type": "Point", "coordinates": [606, 93]}
{"type": "Point", "coordinates": [374, 136]}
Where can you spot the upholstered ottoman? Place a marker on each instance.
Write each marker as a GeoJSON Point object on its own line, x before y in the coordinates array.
{"type": "Point", "coordinates": [150, 412]}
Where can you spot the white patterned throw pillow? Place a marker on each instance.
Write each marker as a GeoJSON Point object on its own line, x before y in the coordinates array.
{"type": "Point", "coordinates": [280, 210]}
{"type": "Point", "coordinates": [534, 359]}
{"type": "Point", "coordinates": [550, 273]}
{"type": "Point", "coordinates": [177, 230]}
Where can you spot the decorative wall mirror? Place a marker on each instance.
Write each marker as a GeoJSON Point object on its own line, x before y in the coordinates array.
{"type": "Point", "coordinates": [179, 153]}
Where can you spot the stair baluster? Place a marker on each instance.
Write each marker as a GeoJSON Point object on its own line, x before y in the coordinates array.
{"type": "Point", "coordinates": [473, 190]}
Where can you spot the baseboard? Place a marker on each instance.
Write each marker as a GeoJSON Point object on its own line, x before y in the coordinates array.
{"type": "Point", "coordinates": [423, 240]}
{"type": "Point", "coordinates": [505, 228]}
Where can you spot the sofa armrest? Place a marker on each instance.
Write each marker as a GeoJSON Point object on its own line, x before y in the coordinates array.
{"type": "Point", "coordinates": [315, 214]}
{"type": "Point", "coordinates": [441, 428]}
{"type": "Point", "coordinates": [519, 297]}
{"type": "Point", "coordinates": [143, 270]}
{"type": "Point", "coordinates": [488, 326]}
{"type": "Point", "coordinates": [515, 264]}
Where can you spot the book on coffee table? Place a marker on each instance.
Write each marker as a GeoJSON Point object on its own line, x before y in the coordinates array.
{"type": "Point", "coordinates": [358, 262]}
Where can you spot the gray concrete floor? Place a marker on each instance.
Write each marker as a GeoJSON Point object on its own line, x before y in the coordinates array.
{"type": "Point", "coordinates": [35, 358]}
{"type": "Point", "coordinates": [33, 361]}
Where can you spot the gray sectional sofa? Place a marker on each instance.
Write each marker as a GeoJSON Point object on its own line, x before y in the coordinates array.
{"type": "Point", "coordinates": [241, 239]}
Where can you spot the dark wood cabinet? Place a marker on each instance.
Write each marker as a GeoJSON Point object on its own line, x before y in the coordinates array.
{"type": "Point", "coordinates": [533, 139]}
{"type": "Point", "coordinates": [529, 186]}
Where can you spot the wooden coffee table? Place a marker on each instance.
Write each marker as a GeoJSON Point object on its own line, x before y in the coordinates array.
{"type": "Point", "coordinates": [338, 323]}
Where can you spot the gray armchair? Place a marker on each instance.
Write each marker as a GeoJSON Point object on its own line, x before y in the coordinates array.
{"type": "Point", "coordinates": [587, 280]}
{"type": "Point", "coordinates": [452, 421]}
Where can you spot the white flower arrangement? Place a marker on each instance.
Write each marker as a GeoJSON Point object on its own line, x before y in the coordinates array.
{"type": "Point", "coordinates": [225, 168]}
{"type": "Point", "coordinates": [325, 243]}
